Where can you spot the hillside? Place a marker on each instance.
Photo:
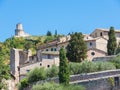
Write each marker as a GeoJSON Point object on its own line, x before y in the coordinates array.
{"type": "Point", "coordinates": [30, 42]}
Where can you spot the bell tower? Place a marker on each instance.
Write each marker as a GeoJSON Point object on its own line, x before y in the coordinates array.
{"type": "Point", "coordinates": [19, 30]}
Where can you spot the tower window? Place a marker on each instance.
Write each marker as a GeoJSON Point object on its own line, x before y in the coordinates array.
{"type": "Point", "coordinates": [101, 34]}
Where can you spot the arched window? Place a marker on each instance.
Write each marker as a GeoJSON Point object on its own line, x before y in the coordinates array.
{"type": "Point", "coordinates": [40, 64]}
{"type": "Point", "coordinates": [48, 66]}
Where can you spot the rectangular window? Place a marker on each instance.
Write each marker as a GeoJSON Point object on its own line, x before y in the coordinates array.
{"type": "Point", "coordinates": [90, 43]}
{"type": "Point", "coordinates": [28, 71]}
{"type": "Point", "coordinates": [49, 57]}
{"type": "Point", "coordinates": [51, 49]}
{"type": "Point", "coordinates": [55, 49]}
{"type": "Point", "coordinates": [116, 80]}
{"type": "Point", "coordinates": [46, 49]}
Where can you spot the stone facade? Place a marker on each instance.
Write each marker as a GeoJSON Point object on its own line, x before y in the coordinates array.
{"type": "Point", "coordinates": [98, 43]}
{"type": "Point", "coordinates": [100, 32]}
{"type": "Point", "coordinates": [21, 62]}
{"type": "Point", "coordinates": [104, 58]}
{"type": "Point", "coordinates": [94, 53]}
{"type": "Point", "coordinates": [17, 58]}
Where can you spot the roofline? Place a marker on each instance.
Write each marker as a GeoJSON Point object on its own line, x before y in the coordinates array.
{"type": "Point", "coordinates": [97, 49]}
{"type": "Point", "coordinates": [102, 29]}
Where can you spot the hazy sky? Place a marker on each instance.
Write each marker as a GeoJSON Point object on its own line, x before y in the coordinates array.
{"type": "Point", "coordinates": [39, 16]}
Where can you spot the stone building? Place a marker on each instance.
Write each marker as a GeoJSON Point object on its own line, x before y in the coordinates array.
{"type": "Point", "coordinates": [99, 32]}
{"type": "Point", "coordinates": [21, 62]}
{"type": "Point", "coordinates": [19, 32]}
{"type": "Point", "coordinates": [18, 57]}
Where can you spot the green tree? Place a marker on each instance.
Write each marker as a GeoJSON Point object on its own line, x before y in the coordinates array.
{"type": "Point", "coordinates": [112, 44]}
{"type": "Point", "coordinates": [49, 33]}
{"type": "Point", "coordinates": [63, 68]}
{"type": "Point", "coordinates": [4, 73]}
{"type": "Point", "coordinates": [77, 48]}
{"type": "Point", "coordinates": [28, 45]}
{"type": "Point", "coordinates": [116, 61]}
{"type": "Point", "coordinates": [48, 39]}
{"type": "Point", "coordinates": [36, 75]}
{"type": "Point", "coordinates": [56, 33]}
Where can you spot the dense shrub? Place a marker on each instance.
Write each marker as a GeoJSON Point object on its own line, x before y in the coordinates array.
{"type": "Point", "coordinates": [23, 83]}
{"type": "Point", "coordinates": [75, 68]}
{"type": "Point", "coordinates": [3, 86]}
{"type": "Point", "coordinates": [49, 38]}
{"type": "Point", "coordinates": [88, 66]}
{"type": "Point", "coordinates": [73, 87]}
{"type": "Point", "coordinates": [52, 72]}
{"type": "Point", "coordinates": [105, 66]}
{"type": "Point", "coordinates": [54, 86]}
{"type": "Point", "coordinates": [116, 61]}
{"type": "Point", "coordinates": [37, 74]}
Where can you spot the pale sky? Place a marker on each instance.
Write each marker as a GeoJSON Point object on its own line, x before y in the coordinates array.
{"type": "Point", "coordinates": [39, 16]}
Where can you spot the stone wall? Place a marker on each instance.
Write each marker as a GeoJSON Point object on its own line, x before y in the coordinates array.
{"type": "Point", "coordinates": [93, 53]}
{"type": "Point", "coordinates": [104, 80]}
{"type": "Point", "coordinates": [104, 58]}
{"type": "Point", "coordinates": [101, 84]}
{"type": "Point", "coordinates": [14, 63]}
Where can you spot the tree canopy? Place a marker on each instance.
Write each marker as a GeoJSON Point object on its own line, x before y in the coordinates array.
{"type": "Point", "coordinates": [77, 48]}
{"type": "Point", "coordinates": [49, 33]}
{"type": "Point", "coordinates": [112, 44]}
{"type": "Point", "coordinates": [63, 68]}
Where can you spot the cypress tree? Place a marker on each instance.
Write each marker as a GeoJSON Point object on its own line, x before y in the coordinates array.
{"type": "Point", "coordinates": [77, 48]}
{"type": "Point", "coordinates": [49, 33]}
{"type": "Point", "coordinates": [63, 68]}
{"type": "Point", "coordinates": [112, 44]}
{"type": "Point", "coordinates": [56, 33]}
